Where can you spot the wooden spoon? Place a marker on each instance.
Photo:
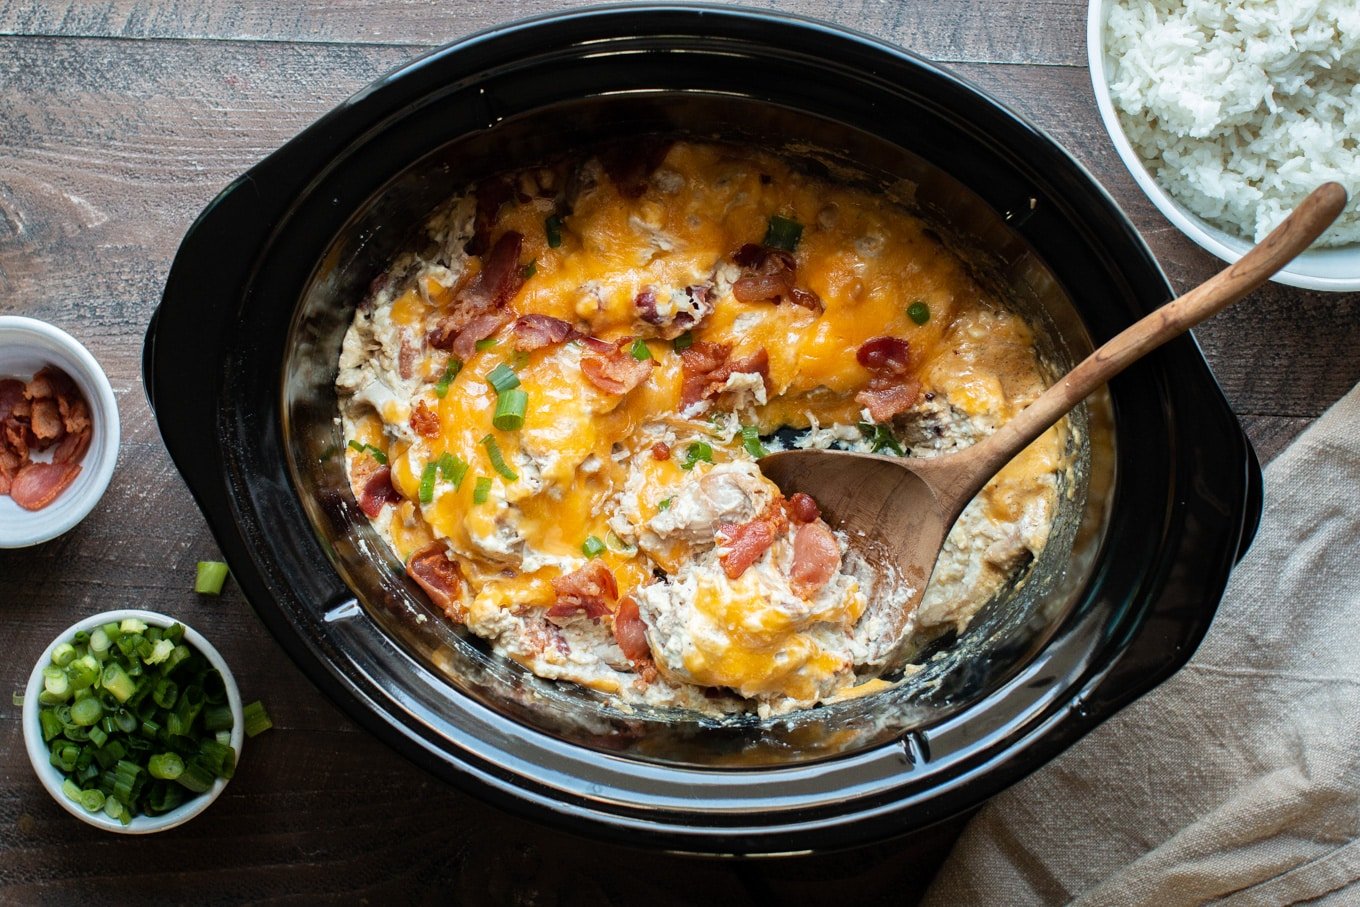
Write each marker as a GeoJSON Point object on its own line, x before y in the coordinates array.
{"type": "Point", "coordinates": [899, 510]}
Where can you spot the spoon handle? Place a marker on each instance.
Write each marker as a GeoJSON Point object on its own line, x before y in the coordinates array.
{"type": "Point", "coordinates": [1303, 225]}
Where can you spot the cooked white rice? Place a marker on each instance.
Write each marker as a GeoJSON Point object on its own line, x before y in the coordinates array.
{"type": "Point", "coordinates": [1241, 108]}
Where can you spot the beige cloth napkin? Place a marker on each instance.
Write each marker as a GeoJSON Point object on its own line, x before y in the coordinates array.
{"type": "Point", "coordinates": [1238, 778]}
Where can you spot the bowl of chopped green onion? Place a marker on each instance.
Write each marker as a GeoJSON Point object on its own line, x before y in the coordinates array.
{"type": "Point", "coordinates": [132, 721]}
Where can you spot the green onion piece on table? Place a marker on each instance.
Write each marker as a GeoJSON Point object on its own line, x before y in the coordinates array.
{"type": "Point", "coordinates": [783, 233]}
{"type": "Point", "coordinates": [427, 483]}
{"type": "Point", "coordinates": [482, 490]}
{"type": "Point", "coordinates": [592, 547]}
{"type": "Point", "coordinates": [257, 719]}
{"type": "Point", "coordinates": [918, 312]}
{"type": "Point", "coordinates": [209, 580]}
{"type": "Point", "coordinates": [502, 378]}
{"type": "Point", "coordinates": [493, 450]}
{"type": "Point", "coordinates": [510, 409]}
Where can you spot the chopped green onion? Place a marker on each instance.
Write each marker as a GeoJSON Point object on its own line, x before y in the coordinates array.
{"type": "Point", "coordinates": [615, 543]}
{"type": "Point", "coordinates": [493, 450]}
{"type": "Point", "coordinates": [696, 452]}
{"type": "Point", "coordinates": [441, 387]}
{"type": "Point", "coordinates": [882, 437]}
{"type": "Point", "coordinates": [117, 681]}
{"type": "Point", "coordinates": [664, 505]}
{"type": "Point", "coordinates": [683, 342]}
{"type": "Point", "coordinates": [452, 469]}
{"type": "Point", "coordinates": [481, 490]}
{"type": "Point", "coordinates": [552, 228]}
{"type": "Point", "coordinates": [92, 800]}
{"type": "Point", "coordinates": [427, 483]}
{"type": "Point", "coordinates": [529, 270]}
{"type": "Point", "coordinates": [71, 790]}
{"type": "Point", "coordinates": [750, 439]}
{"type": "Point", "coordinates": [502, 378]}
{"type": "Point", "coordinates": [63, 654]}
{"type": "Point", "coordinates": [217, 718]}
{"type": "Point", "coordinates": [160, 652]}
{"type": "Point", "coordinates": [486, 344]}
{"type": "Point", "coordinates": [165, 766]}
{"type": "Point", "coordinates": [132, 625]}
{"type": "Point", "coordinates": [592, 547]}
{"type": "Point", "coordinates": [783, 233]}
{"type": "Point", "coordinates": [87, 711]}
{"type": "Point", "coordinates": [211, 576]}
{"type": "Point", "coordinates": [640, 351]}
{"type": "Point", "coordinates": [196, 776]}
{"type": "Point", "coordinates": [116, 809]}
{"type": "Point", "coordinates": [510, 408]}
{"type": "Point", "coordinates": [918, 312]}
{"type": "Point", "coordinates": [257, 719]}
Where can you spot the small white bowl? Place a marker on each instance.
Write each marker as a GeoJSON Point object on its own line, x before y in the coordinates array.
{"type": "Point", "coordinates": [1335, 269]}
{"type": "Point", "coordinates": [39, 753]}
{"type": "Point", "coordinates": [26, 345]}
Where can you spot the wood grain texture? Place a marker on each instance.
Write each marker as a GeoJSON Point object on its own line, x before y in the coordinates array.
{"type": "Point", "coordinates": [119, 121]}
{"type": "Point", "coordinates": [1040, 31]}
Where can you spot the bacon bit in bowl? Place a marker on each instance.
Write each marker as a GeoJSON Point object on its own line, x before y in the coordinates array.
{"type": "Point", "coordinates": [45, 413]}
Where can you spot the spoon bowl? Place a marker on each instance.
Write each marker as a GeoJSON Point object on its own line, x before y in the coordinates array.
{"type": "Point", "coordinates": [898, 510]}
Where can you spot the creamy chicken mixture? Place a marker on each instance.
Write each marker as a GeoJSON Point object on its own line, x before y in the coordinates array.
{"type": "Point", "coordinates": [555, 407]}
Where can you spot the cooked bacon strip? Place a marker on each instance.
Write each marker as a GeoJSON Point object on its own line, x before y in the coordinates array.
{"type": "Point", "coordinates": [75, 415]}
{"type": "Point", "coordinates": [747, 542]}
{"type": "Point", "coordinates": [406, 358]}
{"type": "Point", "coordinates": [12, 397]}
{"type": "Point", "coordinates": [631, 634]}
{"type": "Point", "coordinates": [424, 421]}
{"type": "Point", "coordinates": [885, 356]}
{"type": "Point", "coordinates": [37, 484]}
{"type": "Point", "coordinates": [464, 345]}
{"type": "Point", "coordinates": [588, 590]}
{"type": "Point", "coordinates": [892, 390]}
{"type": "Point", "coordinates": [439, 576]}
{"type": "Point", "coordinates": [816, 558]}
{"type": "Point", "coordinates": [768, 275]}
{"type": "Point", "coordinates": [18, 437]}
{"type": "Point", "coordinates": [9, 466]}
{"type": "Point", "coordinates": [886, 398]}
{"type": "Point", "coordinates": [706, 368]}
{"type": "Point", "coordinates": [72, 447]}
{"type": "Point", "coordinates": [378, 492]}
{"type": "Point", "coordinates": [616, 372]}
{"type": "Point", "coordinates": [475, 305]}
{"type": "Point", "coordinates": [631, 166]}
{"type": "Point", "coordinates": [802, 508]}
{"type": "Point", "coordinates": [45, 422]}
{"type": "Point", "coordinates": [532, 332]}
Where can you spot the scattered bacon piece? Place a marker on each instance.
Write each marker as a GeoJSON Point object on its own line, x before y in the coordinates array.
{"type": "Point", "coordinates": [406, 358]}
{"type": "Point", "coordinates": [45, 421]}
{"type": "Point", "coordinates": [706, 368]}
{"type": "Point", "coordinates": [474, 305]}
{"type": "Point", "coordinates": [802, 508]}
{"type": "Point", "coordinates": [616, 372]}
{"type": "Point", "coordinates": [378, 492]}
{"type": "Point", "coordinates": [439, 576]}
{"type": "Point", "coordinates": [37, 484]}
{"type": "Point", "coordinates": [885, 356]}
{"type": "Point", "coordinates": [816, 558]}
{"type": "Point", "coordinates": [661, 451]}
{"type": "Point", "coordinates": [631, 633]}
{"type": "Point", "coordinates": [631, 166]}
{"type": "Point", "coordinates": [701, 305]}
{"type": "Point", "coordinates": [745, 543]}
{"type": "Point", "coordinates": [75, 415]}
{"type": "Point", "coordinates": [588, 590]}
{"type": "Point", "coordinates": [424, 421]}
{"type": "Point", "coordinates": [72, 447]}
{"type": "Point", "coordinates": [534, 331]}
{"type": "Point", "coordinates": [891, 391]}
{"type": "Point", "coordinates": [884, 398]}
{"type": "Point", "coordinates": [768, 275]}
{"type": "Point", "coordinates": [11, 396]}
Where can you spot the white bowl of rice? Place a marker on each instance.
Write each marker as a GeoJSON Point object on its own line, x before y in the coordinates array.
{"type": "Point", "coordinates": [1229, 114]}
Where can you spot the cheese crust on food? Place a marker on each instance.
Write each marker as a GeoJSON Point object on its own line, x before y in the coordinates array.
{"type": "Point", "coordinates": [554, 408]}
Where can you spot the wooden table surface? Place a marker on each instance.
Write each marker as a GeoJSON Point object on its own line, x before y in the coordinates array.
{"type": "Point", "coordinates": [119, 121]}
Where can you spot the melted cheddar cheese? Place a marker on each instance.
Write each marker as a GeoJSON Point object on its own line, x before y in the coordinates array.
{"type": "Point", "coordinates": [580, 482]}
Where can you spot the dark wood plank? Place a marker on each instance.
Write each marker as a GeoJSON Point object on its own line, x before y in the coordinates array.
{"type": "Point", "coordinates": [1039, 31]}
